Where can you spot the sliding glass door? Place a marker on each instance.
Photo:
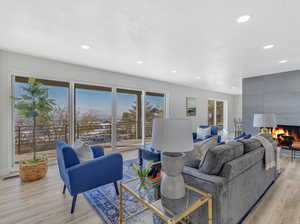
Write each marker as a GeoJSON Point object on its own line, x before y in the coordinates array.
{"type": "Point", "coordinates": [115, 118]}
{"type": "Point", "coordinates": [216, 113]}
{"type": "Point", "coordinates": [154, 108]}
{"type": "Point", "coordinates": [128, 119]}
{"type": "Point", "coordinates": [46, 133]}
{"type": "Point", "coordinates": [93, 115]}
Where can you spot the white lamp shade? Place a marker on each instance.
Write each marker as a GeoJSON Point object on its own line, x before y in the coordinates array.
{"type": "Point", "coordinates": [171, 135]}
{"type": "Point", "coordinates": [267, 120]}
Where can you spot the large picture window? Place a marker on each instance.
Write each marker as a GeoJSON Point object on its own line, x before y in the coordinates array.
{"type": "Point", "coordinates": [93, 114]}
{"type": "Point", "coordinates": [46, 133]}
{"type": "Point", "coordinates": [116, 118]}
{"type": "Point", "coordinates": [129, 119]}
{"type": "Point", "coordinates": [154, 108]}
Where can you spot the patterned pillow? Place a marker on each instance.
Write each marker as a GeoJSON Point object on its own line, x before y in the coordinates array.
{"type": "Point", "coordinates": [82, 150]}
{"type": "Point", "coordinates": [203, 132]}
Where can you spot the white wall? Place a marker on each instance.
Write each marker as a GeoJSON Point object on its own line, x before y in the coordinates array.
{"type": "Point", "coordinates": [49, 69]}
{"type": "Point", "coordinates": [237, 101]}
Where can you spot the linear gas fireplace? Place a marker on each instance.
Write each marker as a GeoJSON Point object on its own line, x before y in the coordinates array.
{"type": "Point", "coordinates": [286, 135]}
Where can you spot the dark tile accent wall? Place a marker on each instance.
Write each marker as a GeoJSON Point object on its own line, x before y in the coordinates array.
{"type": "Point", "coordinates": [276, 93]}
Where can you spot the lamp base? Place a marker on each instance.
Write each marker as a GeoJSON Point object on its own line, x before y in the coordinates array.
{"type": "Point", "coordinates": [172, 183]}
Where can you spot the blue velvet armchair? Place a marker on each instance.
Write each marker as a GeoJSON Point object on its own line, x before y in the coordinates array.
{"type": "Point", "coordinates": [80, 177]}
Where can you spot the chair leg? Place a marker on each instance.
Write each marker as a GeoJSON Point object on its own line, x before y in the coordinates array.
{"type": "Point", "coordinates": [73, 204]}
{"type": "Point", "coordinates": [116, 187]}
{"type": "Point", "coordinates": [64, 190]}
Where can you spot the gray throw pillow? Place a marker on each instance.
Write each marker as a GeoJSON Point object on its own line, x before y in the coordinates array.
{"type": "Point", "coordinates": [82, 150]}
{"type": "Point", "coordinates": [193, 158]}
{"type": "Point", "coordinates": [216, 157]}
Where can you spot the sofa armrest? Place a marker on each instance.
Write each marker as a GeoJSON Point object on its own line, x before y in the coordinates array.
{"type": "Point", "coordinates": [216, 186]}
{"type": "Point", "coordinates": [94, 173]}
{"type": "Point", "coordinates": [98, 151]}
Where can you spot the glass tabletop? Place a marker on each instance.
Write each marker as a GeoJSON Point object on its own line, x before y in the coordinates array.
{"type": "Point", "coordinates": [155, 205]}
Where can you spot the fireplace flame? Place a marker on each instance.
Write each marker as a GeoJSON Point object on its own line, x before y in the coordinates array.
{"type": "Point", "coordinates": [277, 132]}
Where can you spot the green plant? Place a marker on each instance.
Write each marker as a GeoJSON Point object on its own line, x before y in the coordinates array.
{"type": "Point", "coordinates": [142, 173]}
{"type": "Point", "coordinates": [35, 104]}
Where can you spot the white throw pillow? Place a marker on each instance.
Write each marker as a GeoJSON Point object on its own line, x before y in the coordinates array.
{"type": "Point", "coordinates": [82, 150]}
{"type": "Point", "coordinates": [203, 132]}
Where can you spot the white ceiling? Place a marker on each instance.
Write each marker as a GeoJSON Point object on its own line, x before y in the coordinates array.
{"type": "Point", "coordinates": [194, 37]}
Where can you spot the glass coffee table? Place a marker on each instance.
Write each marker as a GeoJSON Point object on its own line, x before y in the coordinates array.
{"type": "Point", "coordinates": [157, 209]}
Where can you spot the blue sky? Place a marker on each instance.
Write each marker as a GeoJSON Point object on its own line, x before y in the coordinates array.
{"type": "Point", "coordinates": [94, 100]}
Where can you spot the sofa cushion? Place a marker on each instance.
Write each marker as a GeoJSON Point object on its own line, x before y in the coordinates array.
{"type": "Point", "coordinates": [250, 144]}
{"type": "Point", "coordinates": [239, 165]}
{"type": "Point", "coordinates": [216, 157]}
{"type": "Point", "coordinates": [193, 158]}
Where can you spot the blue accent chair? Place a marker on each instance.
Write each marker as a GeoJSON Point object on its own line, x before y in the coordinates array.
{"type": "Point", "coordinates": [146, 152]}
{"type": "Point", "coordinates": [80, 177]}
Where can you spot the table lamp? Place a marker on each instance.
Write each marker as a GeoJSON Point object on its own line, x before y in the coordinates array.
{"type": "Point", "coordinates": [172, 137]}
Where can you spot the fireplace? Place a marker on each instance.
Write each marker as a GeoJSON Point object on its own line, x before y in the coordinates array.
{"type": "Point", "coordinates": [286, 135]}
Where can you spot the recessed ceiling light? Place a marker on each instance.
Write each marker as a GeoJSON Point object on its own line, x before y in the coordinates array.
{"type": "Point", "coordinates": [139, 62]}
{"type": "Point", "coordinates": [269, 46]}
{"type": "Point", "coordinates": [243, 19]}
{"type": "Point", "coordinates": [174, 71]}
{"type": "Point", "coordinates": [198, 77]}
{"type": "Point", "coordinates": [283, 61]}
{"type": "Point", "coordinates": [85, 47]}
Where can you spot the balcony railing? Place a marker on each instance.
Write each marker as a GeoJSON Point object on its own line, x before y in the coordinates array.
{"type": "Point", "coordinates": [128, 133]}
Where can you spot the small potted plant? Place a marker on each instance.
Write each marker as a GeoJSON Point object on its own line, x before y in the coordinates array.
{"type": "Point", "coordinates": [142, 173]}
{"type": "Point", "coordinates": [36, 105]}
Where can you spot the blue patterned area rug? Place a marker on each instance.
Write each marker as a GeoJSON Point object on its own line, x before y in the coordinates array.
{"type": "Point", "coordinates": [106, 202]}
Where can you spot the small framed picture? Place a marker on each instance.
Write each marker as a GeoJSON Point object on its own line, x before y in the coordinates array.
{"type": "Point", "coordinates": [191, 106]}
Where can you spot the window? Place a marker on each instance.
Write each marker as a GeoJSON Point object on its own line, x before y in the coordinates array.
{"type": "Point", "coordinates": [216, 113]}
{"type": "Point", "coordinates": [46, 133]}
{"type": "Point", "coordinates": [93, 115]}
{"type": "Point", "coordinates": [129, 119]}
{"type": "Point", "coordinates": [100, 115]}
{"type": "Point", "coordinates": [154, 108]}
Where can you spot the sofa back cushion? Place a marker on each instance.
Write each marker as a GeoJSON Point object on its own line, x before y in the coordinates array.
{"type": "Point", "coordinates": [193, 158]}
{"type": "Point", "coordinates": [250, 144]}
{"type": "Point", "coordinates": [216, 157]}
{"type": "Point", "coordinates": [235, 167]}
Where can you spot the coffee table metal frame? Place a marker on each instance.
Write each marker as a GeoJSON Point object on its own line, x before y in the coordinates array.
{"type": "Point", "coordinates": [206, 198]}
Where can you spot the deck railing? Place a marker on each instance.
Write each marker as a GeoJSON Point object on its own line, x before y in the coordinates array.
{"type": "Point", "coordinates": [91, 133]}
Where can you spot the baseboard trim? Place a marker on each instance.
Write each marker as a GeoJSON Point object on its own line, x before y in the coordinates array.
{"type": "Point", "coordinates": [4, 172]}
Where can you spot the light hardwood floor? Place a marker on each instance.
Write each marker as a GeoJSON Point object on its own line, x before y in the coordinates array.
{"type": "Point", "coordinates": [42, 202]}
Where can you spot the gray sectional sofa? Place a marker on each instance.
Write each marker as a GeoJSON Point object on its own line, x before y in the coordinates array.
{"type": "Point", "coordinates": [235, 175]}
